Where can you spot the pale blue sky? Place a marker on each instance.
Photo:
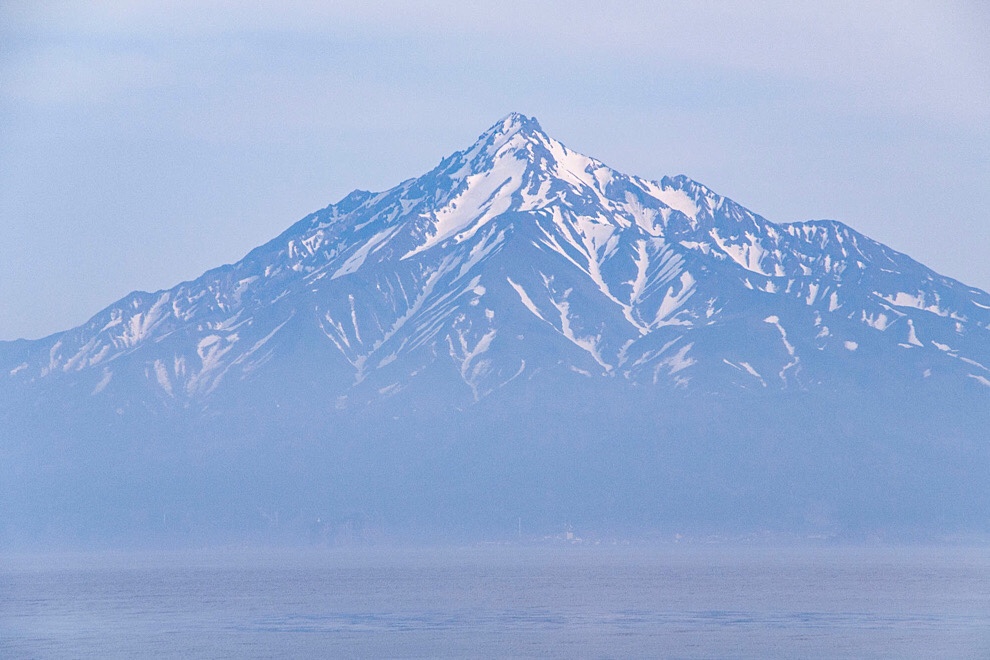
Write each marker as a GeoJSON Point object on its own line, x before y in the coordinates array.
{"type": "Point", "coordinates": [141, 145]}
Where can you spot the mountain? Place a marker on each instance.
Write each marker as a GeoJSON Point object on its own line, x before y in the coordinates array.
{"type": "Point", "coordinates": [522, 332]}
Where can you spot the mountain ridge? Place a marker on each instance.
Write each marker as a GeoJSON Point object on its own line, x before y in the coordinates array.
{"type": "Point", "coordinates": [520, 329]}
{"type": "Point", "coordinates": [515, 168]}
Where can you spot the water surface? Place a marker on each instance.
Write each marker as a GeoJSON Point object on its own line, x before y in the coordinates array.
{"type": "Point", "coordinates": [694, 602]}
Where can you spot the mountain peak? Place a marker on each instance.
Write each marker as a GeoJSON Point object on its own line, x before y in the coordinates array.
{"type": "Point", "coordinates": [513, 126]}
{"type": "Point", "coordinates": [515, 122]}
{"type": "Point", "coordinates": [520, 315]}
{"type": "Point", "coordinates": [647, 262]}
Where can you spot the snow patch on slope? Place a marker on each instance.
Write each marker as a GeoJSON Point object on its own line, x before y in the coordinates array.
{"type": "Point", "coordinates": [672, 197]}
{"type": "Point", "coordinates": [486, 196]}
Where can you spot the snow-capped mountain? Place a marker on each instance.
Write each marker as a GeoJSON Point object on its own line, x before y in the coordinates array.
{"type": "Point", "coordinates": [518, 255]}
{"type": "Point", "coordinates": [515, 274]}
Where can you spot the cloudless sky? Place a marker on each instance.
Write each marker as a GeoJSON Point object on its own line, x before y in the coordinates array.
{"type": "Point", "coordinates": [143, 143]}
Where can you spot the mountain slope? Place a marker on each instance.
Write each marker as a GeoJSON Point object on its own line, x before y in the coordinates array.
{"type": "Point", "coordinates": [650, 281]}
{"type": "Point", "coordinates": [515, 283]}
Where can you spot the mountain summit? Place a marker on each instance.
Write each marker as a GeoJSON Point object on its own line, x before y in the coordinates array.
{"type": "Point", "coordinates": [516, 243]}
{"type": "Point", "coordinates": [520, 284]}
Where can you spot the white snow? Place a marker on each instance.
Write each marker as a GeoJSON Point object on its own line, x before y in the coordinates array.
{"type": "Point", "coordinates": [466, 351]}
{"type": "Point", "coordinates": [242, 286]}
{"type": "Point", "coordinates": [486, 196]}
{"type": "Point", "coordinates": [748, 368]}
{"type": "Point", "coordinates": [261, 342]}
{"type": "Point", "coordinates": [211, 349]}
{"type": "Point", "coordinates": [917, 301]}
{"type": "Point", "coordinates": [753, 372]}
{"type": "Point", "coordinates": [54, 357]}
{"type": "Point", "coordinates": [616, 244]}
{"type": "Point", "coordinates": [580, 171]}
{"type": "Point", "coordinates": [526, 300]}
{"type": "Point", "coordinates": [356, 260]}
{"type": "Point", "coordinates": [115, 320]}
{"type": "Point", "coordinates": [679, 361]}
{"type": "Point", "coordinates": [205, 343]}
{"type": "Point", "coordinates": [774, 320]}
{"type": "Point", "coordinates": [972, 362]}
{"type": "Point", "coordinates": [876, 321]}
{"type": "Point", "coordinates": [161, 373]}
{"type": "Point", "coordinates": [357, 330]}
{"type": "Point", "coordinates": [672, 197]}
{"type": "Point", "coordinates": [642, 261]}
{"type": "Point", "coordinates": [645, 218]}
{"type": "Point", "coordinates": [139, 326]}
{"type": "Point", "coordinates": [747, 254]}
{"type": "Point", "coordinates": [912, 334]}
{"type": "Point", "coordinates": [833, 301]}
{"type": "Point", "coordinates": [589, 344]}
{"type": "Point", "coordinates": [390, 389]}
{"type": "Point", "coordinates": [704, 248]}
{"type": "Point", "coordinates": [673, 301]}
{"type": "Point", "coordinates": [488, 245]}
{"type": "Point", "coordinates": [104, 381]}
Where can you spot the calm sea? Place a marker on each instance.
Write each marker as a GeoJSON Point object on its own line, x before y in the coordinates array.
{"type": "Point", "coordinates": [695, 602]}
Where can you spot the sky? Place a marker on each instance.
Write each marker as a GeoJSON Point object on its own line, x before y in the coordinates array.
{"type": "Point", "coordinates": [144, 143]}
